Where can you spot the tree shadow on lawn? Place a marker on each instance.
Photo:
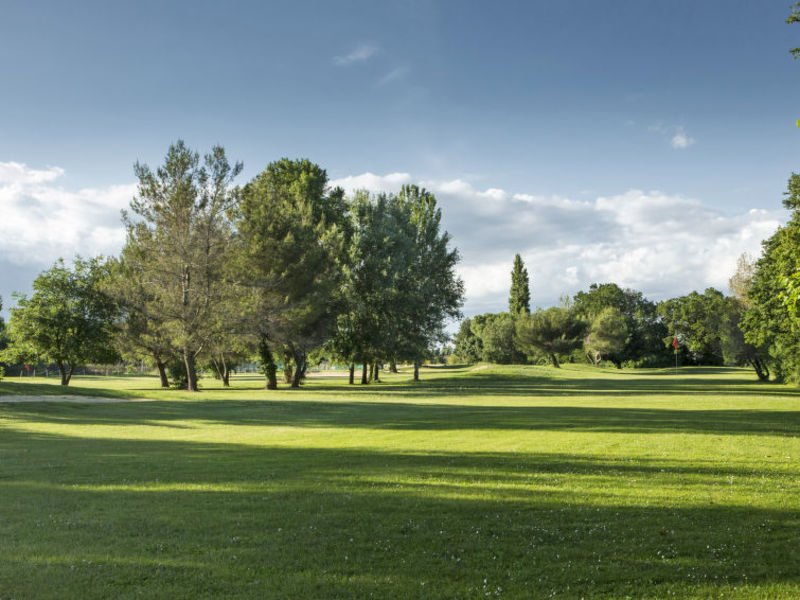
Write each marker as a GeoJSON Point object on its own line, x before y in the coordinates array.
{"type": "Point", "coordinates": [118, 517]}
{"type": "Point", "coordinates": [538, 385]}
{"type": "Point", "coordinates": [416, 416]}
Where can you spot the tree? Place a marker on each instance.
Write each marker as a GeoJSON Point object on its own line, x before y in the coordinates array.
{"type": "Point", "coordinates": [645, 329]}
{"type": "Point", "coordinates": [696, 319]}
{"type": "Point", "coordinates": [432, 291]}
{"type": "Point", "coordinates": [3, 339]}
{"type": "Point", "coordinates": [182, 211]}
{"type": "Point", "coordinates": [770, 322]}
{"type": "Point", "coordinates": [742, 279]}
{"type": "Point", "coordinates": [291, 228]}
{"type": "Point", "coordinates": [607, 336]}
{"type": "Point", "coordinates": [139, 326]}
{"type": "Point", "coordinates": [735, 347]}
{"type": "Point", "coordinates": [553, 331]}
{"type": "Point", "coordinates": [468, 346]}
{"type": "Point", "coordinates": [67, 320]}
{"type": "Point", "coordinates": [495, 333]}
{"type": "Point", "coordinates": [519, 300]}
{"type": "Point", "coordinates": [376, 289]}
{"type": "Point", "coordinates": [794, 17]}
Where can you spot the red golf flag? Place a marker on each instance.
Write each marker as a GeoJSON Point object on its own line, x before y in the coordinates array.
{"type": "Point", "coordinates": [675, 343]}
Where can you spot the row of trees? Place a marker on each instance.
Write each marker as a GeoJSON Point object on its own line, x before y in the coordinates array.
{"type": "Point", "coordinates": [619, 326]}
{"type": "Point", "coordinates": [279, 268]}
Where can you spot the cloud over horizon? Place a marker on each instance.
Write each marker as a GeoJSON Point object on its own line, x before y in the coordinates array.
{"type": "Point", "coordinates": [42, 221]}
{"type": "Point", "coordinates": [661, 244]}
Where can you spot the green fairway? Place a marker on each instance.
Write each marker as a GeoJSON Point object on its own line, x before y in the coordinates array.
{"type": "Point", "coordinates": [509, 482]}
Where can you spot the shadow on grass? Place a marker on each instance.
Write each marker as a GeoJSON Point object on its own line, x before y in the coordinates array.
{"type": "Point", "coordinates": [117, 518]}
{"type": "Point", "coordinates": [418, 416]}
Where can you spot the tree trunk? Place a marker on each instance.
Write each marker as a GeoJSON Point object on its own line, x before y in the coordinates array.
{"type": "Point", "coordinates": [393, 366]}
{"type": "Point", "coordinates": [554, 360]}
{"type": "Point", "coordinates": [364, 374]}
{"type": "Point", "coordinates": [760, 368]}
{"type": "Point", "coordinates": [288, 372]}
{"type": "Point", "coordinates": [371, 371]}
{"type": "Point", "coordinates": [226, 372]}
{"type": "Point", "coordinates": [191, 370]}
{"type": "Point", "coordinates": [299, 363]}
{"type": "Point", "coordinates": [416, 370]}
{"type": "Point", "coordinates": [162, 373]}
{"type": "Point", "coordinates": [268, 364]}
{"type": "Point", "coordinates": [65, 377]}
{"type": "Point", "coordinates": [377, 373]}
{"type": "Point", "coordinates": [305, 368]}
{"type": "Point", "coordinates": [352, 373]}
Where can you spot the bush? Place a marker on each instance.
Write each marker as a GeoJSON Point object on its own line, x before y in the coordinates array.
{"type": "Point", "coordinates": [176, 370]}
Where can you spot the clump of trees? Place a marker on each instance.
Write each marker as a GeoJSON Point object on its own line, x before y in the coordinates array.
{"type": "Point", "coordinates": [280, 269]}
{"type": "Point", "coordinates": [609, 324]}
{"type": "Point", "coordinates": [66, 320]}
{"type": "Point", "coordinates": [605, 324]}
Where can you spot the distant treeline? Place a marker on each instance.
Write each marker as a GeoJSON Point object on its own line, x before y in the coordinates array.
{"type": "Point", "coordinates": [758, 325]}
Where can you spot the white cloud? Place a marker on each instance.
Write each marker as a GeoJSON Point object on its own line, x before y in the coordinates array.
{"type": "Point", "coordinates": [42, 221]}
{"type": "Point", "coordinates": [18, 173]}
{"type": "Point", "coordinates": [361, 53]}
{"type": "Point", "coordinates": [661, 244]}
{"type": "Point", "coordinates": [680, 140]}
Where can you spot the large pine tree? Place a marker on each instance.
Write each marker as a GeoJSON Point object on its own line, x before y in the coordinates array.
{"type": "Point", "coordinates": [520, 299]}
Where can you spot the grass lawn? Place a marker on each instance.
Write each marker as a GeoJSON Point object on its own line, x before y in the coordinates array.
{"type": "Point", "coordinates": [503, 482]}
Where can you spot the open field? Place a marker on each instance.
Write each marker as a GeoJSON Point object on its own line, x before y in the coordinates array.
{"type": "Point", "coordinates": [509, 482]}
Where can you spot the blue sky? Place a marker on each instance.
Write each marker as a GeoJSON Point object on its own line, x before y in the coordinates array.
{"type": "Point", "coordinates": [600, 140]}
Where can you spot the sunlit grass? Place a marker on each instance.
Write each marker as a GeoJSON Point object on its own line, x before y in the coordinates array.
{"type": "Point", "coordinates": [518, 482]}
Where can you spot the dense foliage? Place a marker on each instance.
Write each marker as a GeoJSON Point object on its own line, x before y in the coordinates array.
{"type": "Point", "coordinates": [66, 321]}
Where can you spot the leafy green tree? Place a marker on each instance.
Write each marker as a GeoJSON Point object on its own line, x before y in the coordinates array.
{"type": "Point", "coordinates": [550, 332]}
{"type": "Point", "coordinates": [697, 321]}
{"type": "Point", "coordinates": [771, 322]}
{"type": "Point", "coordinates": [377, 285]}
{"type": "Point", "coordinates": [608, 335]}
{"type": "Point", "coordinates": [645, 329]}
{"type": "Point", "coordinates": [496, 334]}
{"type": "Point", "coordinates": [735, 348]}
{"type": "Point", "coordinates": [183, 219]}
{"type": "Point", "coordinates": [67, 320]}
{"type": "Point", "coordinates": [432, 292]}
{"type": "Point", "coordinates": [468, 346]}
{"type": "Point", "coordinates": [139, 326]}
{"type": "Point", "coordinates": [519, 300]}
{"type": "Point", "coordinates": [794, 17]}
{"type": "Point", "coordinates": [3, 339]}
{"type": "Point", "coordinates": [291, 228]}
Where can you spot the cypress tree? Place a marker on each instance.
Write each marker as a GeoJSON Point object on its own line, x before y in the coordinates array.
{"type": "Point", "coordinates": [520, 299]}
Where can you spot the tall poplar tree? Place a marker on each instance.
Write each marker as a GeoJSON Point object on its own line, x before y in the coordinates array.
{"type": "Point", "coordinates": [519, 301]}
